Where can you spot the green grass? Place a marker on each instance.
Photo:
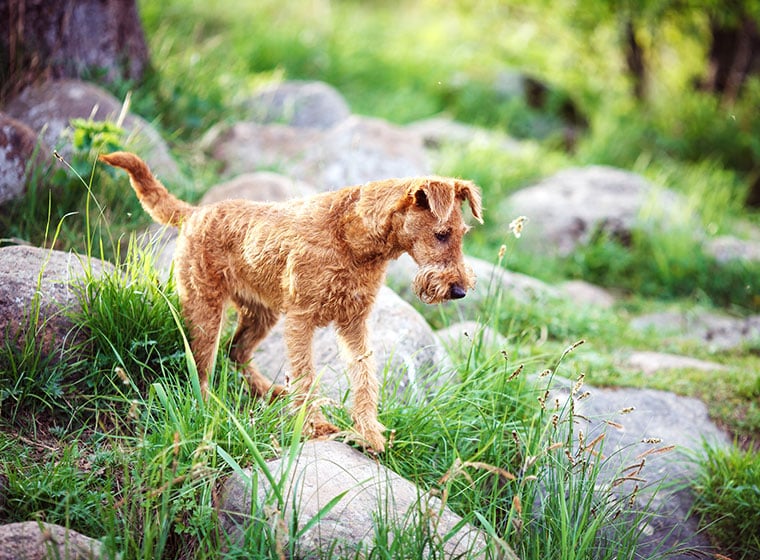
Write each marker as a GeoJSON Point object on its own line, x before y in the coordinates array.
{"type": "Point", "coordinates": [118, 444]}
{"type": "Point", "coordinates": [728, 498]}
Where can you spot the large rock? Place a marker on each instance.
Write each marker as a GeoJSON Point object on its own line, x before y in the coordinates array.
{"type": "Point", "coordinates": [657, 431]}
{"type": "Point", "coordinates": [39, 291]}
{"type": "Point", "coordinates": [727, 248]}
{"type": "Point", "coordinates": [244, 147]}
{"type": "Point", "coordinates": [571, 207]}
{"type": "Point", "coordinates": [17, 148]}
{"type": "Point", "coordinates": [361, 149]}
{"type": "Point", "coordinates": [365, 490]}
{"type": "Point", "coordinates": [406, 351]}
{"type": "Point", "coordinates": [35, 540]}
{"type": "Point", "coordinates": [463, 337]}
{"type": "Point", "coordinates": [353, 152]}
{"type": "Point", "coordinates": [262, 186]}
{"type": "Point", "coordinates": [299, 104]}
{"type": "Point", "coordinates": [715, 331]}
{"type": "Point", "coordinates": [438, 132]}
{"type": "Point", "coordinates": [49, 107]}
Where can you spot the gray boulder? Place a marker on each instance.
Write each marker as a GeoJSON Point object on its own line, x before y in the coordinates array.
{"type": "Point", "coordinates": [300, 104]}
{"type": "Point", "coordinates": [39, 291]}
{"type": "Point", "coordinates": [353, 152]}
{"type": "Point", "coordinates": [438, 132]}
{"type": "Point", "coordinates": [726, 248]}
{"type": "Point", "coordinates": [361, 149]}
{"type": "Point", "coordinates": [569, 208]}
{"type": "Point", "coordinates": [364, 491]}
{"type": "Point", "coordinates": [262, 186]}
{"type": "Point", "coordinates": [49, 107]}
{"type": "Point", "coordinates": [460, 338]}
{"type": "Point", "coordinates": [244, 147]}
{"type": "Point", "coordinates": [650, 440]}
{"type": "Point", "coordinates": [17, 147]}
{"type": "Point", "coordinates": [35, 540]}
{"type": "Point", "coordinates": [583, 293]}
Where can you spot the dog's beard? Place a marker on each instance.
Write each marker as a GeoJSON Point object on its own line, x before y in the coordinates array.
{"type": "Point", "coordinates": [432, 284]}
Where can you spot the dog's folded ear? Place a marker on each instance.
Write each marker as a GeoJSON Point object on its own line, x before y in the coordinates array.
{"type": "Point", "coordinates": [436, 195]}
{"type": "Point", "coordinates": [467, 190]}
{"type": "Point", "coordinates": [439, 194]}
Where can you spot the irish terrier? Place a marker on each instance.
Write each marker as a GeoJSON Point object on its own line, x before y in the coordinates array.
{"type": "Point", "coordinates": [318, 260]}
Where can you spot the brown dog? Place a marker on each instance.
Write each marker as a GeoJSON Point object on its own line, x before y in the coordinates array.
{"type": "Point", "coordinates": [319, 260]}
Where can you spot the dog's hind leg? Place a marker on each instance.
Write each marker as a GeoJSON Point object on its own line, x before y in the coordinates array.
{"type": "Point", "coordinates": [204, 319]}
{"type": "Point", "coordinates": [254, 322]}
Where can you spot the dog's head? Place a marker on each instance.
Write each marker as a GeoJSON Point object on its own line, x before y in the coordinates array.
{"type": "Point", "coordinates": [423, 217]}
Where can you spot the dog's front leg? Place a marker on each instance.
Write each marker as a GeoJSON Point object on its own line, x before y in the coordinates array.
{"type": "Point", "coordinates": [299, 338]}
{"type": "Point", "coordinates": [363, 375]}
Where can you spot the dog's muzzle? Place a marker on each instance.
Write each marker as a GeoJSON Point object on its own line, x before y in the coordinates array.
{"type": "Point", "coordinates": [434, 284]}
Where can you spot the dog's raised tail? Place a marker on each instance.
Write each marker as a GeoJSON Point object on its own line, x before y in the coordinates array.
{"type": "Point", "coordinates": [162, 206]}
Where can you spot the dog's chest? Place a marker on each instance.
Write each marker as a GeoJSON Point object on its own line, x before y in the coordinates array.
{"type": "Point", "coordinates": [333, 293]}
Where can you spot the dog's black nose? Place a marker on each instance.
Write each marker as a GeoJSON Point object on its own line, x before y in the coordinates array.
{"type": "Point", "coordinates": [457, 292]}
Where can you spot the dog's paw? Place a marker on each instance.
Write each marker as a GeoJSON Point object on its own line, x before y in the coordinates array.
{"type": "Point", "coordinates": [321, 429]}
{"type": "Point", "coordinates": [278, 392]}
{"type": "Point", "coordinates": [371, 432]}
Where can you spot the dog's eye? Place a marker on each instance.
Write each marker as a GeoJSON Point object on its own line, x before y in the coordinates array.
{"type": "Point", "coordinates": [442, 235]}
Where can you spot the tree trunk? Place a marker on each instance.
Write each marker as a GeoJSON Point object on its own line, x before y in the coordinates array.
{"type": "Point", "coordinates": [734, 56]}
{"type": "Point", "coordinates": [634, 59]}
{"type": "Point", "coordinates": [69, 39]}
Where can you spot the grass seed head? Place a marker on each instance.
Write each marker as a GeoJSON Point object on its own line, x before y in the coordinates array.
{"type": "Point", "coordinates": [516, 226]}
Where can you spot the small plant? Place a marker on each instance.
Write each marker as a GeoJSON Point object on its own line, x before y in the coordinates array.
{"type": "Point", "coordinates": [728, 499]}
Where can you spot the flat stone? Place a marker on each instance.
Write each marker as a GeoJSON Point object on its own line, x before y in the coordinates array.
{"type": "Point", "coordinates": [438, 132]}
{"type": "Point", "coordinates": [663, 430]}
{"type": "Point", "coordinates": [650, 363]}
{"type": "Point", "coordinates": [362, 149]}
{"type": "Point", "coordinates": [245, 147]}
{"type": "Point", "coordinates": [727, 248]}
{"type": "Point", "coordinates": [462, 336]}
{"type": "Point", "coordinates": [718, 332]}
{"type": "Point", "coordinates": [491, 280]}
{"type": "Point", "coordinates": [262, 186]}
{"type": "Point", "coordinates": [355, 151]}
